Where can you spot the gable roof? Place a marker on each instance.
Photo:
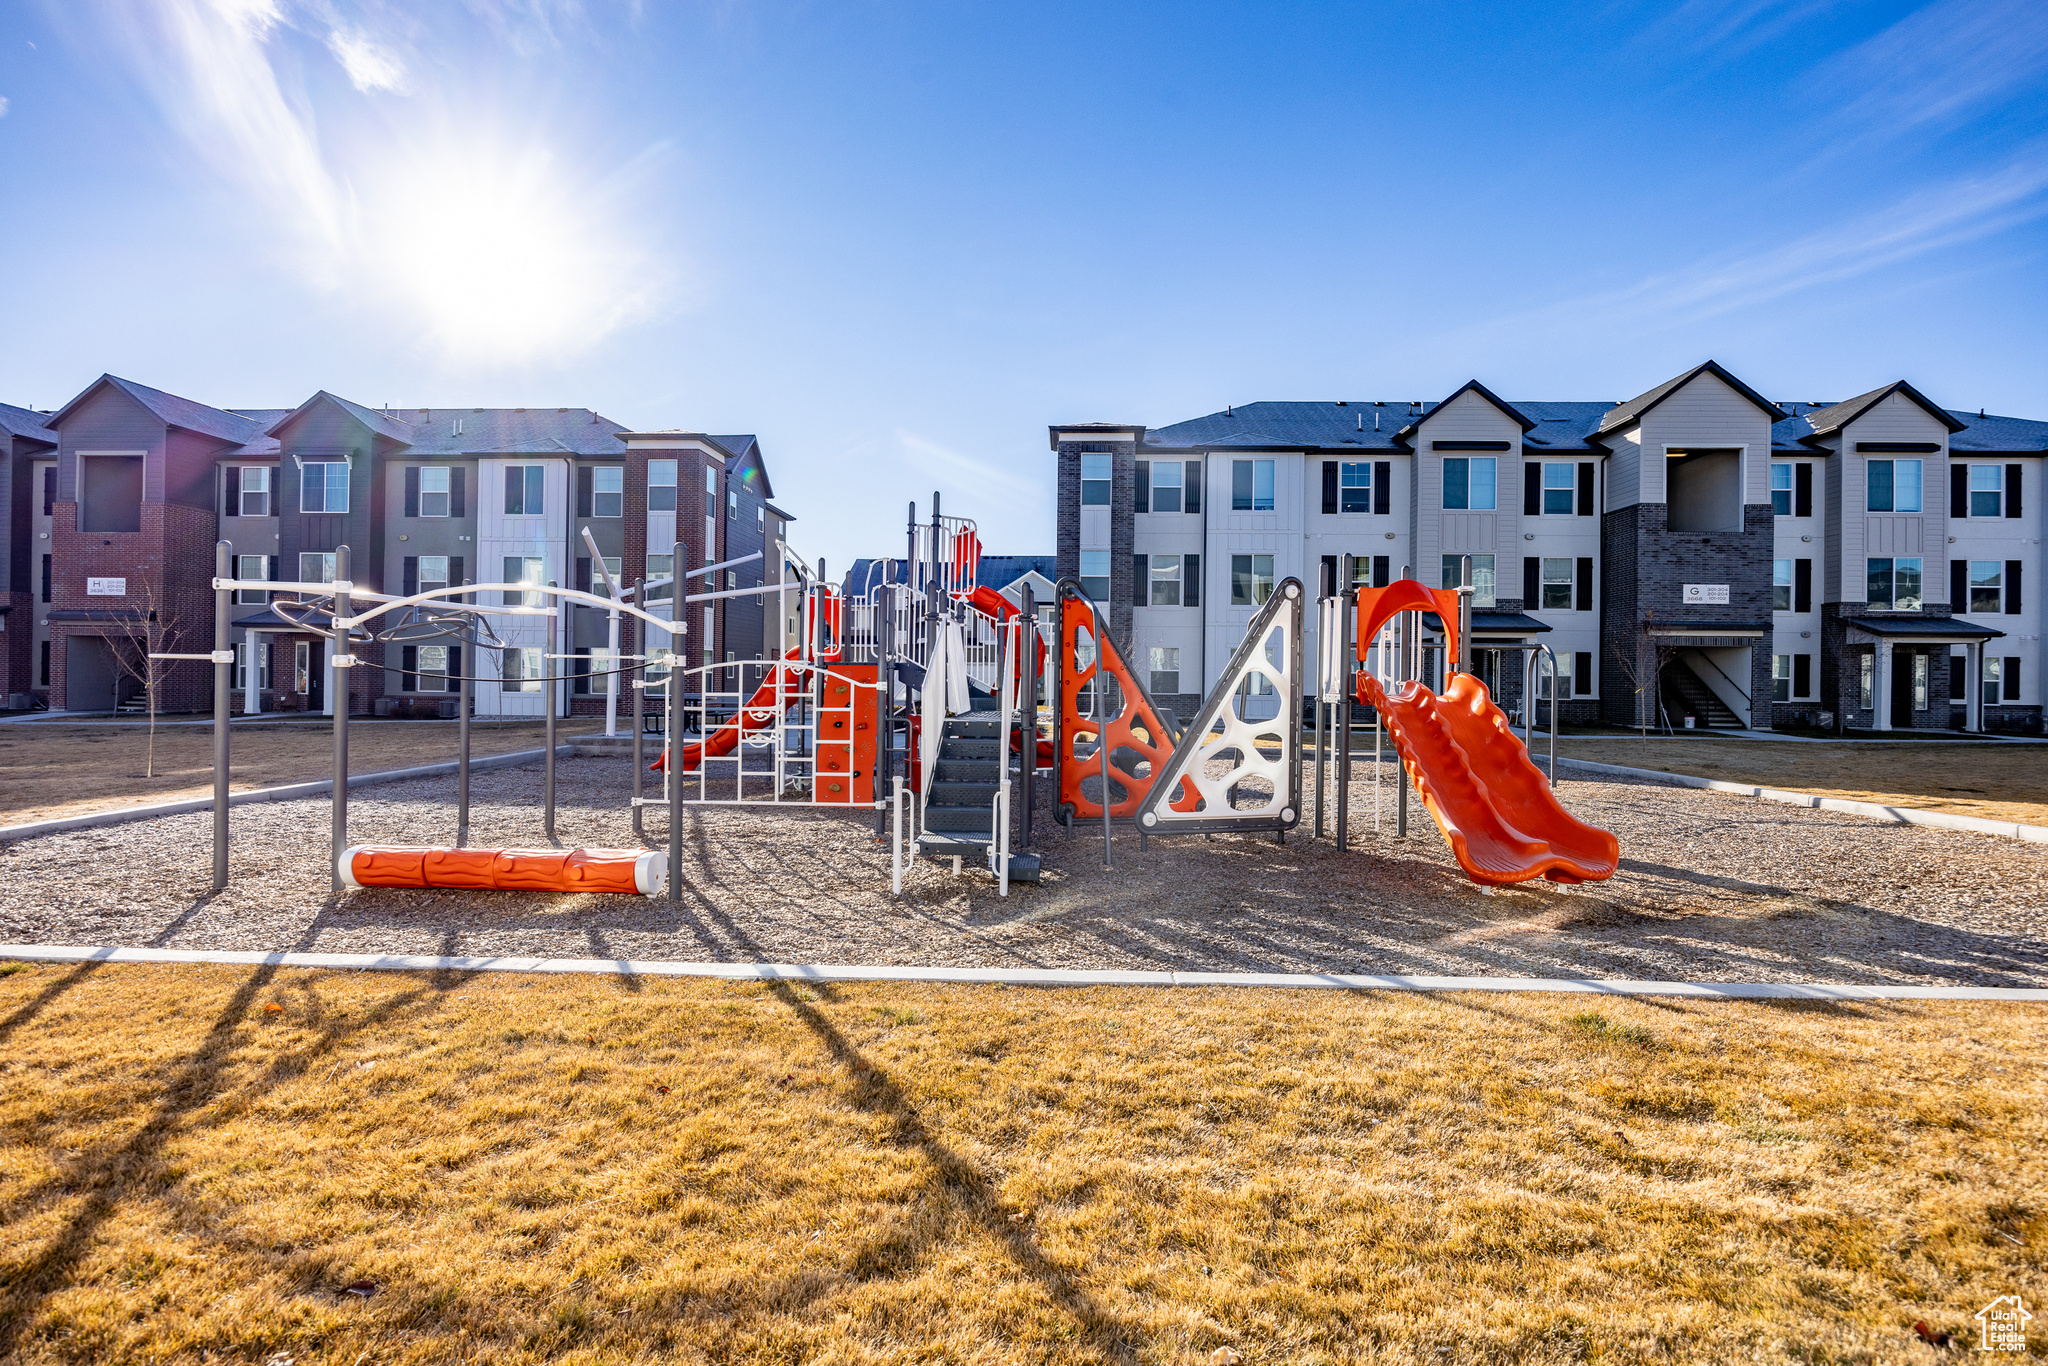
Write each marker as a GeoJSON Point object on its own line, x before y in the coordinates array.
{"type": "Point", "coordinates": [1629, 413]}
{"type": "Point", "coordinates": [382, 424]}
{"type": "Point", "coordinates": [26, 423]}
{"type": "Point", "coordinates": [183, 413]}
{"type": "Point", "coordinates": [1471, 386]}
{"type": "Point", "coordinates": [743, 451]}
{"type": "Point", "coordinates": [1832, 419]}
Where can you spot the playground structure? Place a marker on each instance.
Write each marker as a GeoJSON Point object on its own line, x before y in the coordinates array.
{"type": "Point", "coordinates": [919, 696]}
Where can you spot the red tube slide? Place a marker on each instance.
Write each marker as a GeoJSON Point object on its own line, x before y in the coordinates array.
{"type": "Point", "coordinates": [618, 872]}
{"type": "Point", "coordinates": [782, 688]}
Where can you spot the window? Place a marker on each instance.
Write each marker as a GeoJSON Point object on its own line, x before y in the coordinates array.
{"type": "Point", "coordinates": [732, 505]}
{"type": "Point", "coordinates": [1454, 568]}
{"type": "Point", "coordinates": [433, 573]}
{"type": "Point", "coordinates": [1165, 576]}
{"type": "Point", "coordinates": [1987, 491]}
{"type": "Point", "coordinates": [1469, 483]}
{"type": "Point", "coordinates": [1781, 587]}
{"type": "Point", "coordinates": [1895, 583]}
{"type": "Point", "coordinates": [1892, 485]}
{"type": "Point", "coordinates": [1919, 680]}
{"type": "Point", "coordinates": [255, 645]}
{"type": "Point", "coordinates": [1165, 669]}
{"type": "Point", "coordinates": [1560, 489]}
{"type": "Point", "coordinates": [1866, 686]}
{"type": "Point", "coordinates": [525, 490]}
{"type": "Point", "coordinates": [433, 669]}
{"type": "Point", "coordinates": [1994, 677]}
{"type": "Point", "coordinates": [1781, 491]}
{"type": "Point", "coordinates": [708, 628]}
{"type": "Point", "coordinates": [608, 491]}
{"type": "Point", "coordinates": [1781, 678]}
{"type": "Point", "coordinates": [316, 566]}
{"type": "Point", "coordinates": [1251, 486]}
{"type": "Point", "coordinates": [710, 538]}
{"type": "Point", "coordinates": [433, 490]}
{"type": "Point", "coordinates": [1251, 577]}
{"type": "Point", "coordinates": [1557, 585]}
{"type": "Point", "coordinates": [250, 567]}
{"type": "Point", "coordinates": [711, 483]}
{"type": "Point", "coordinates": [1166, 485]}
{"type": "Point", "coordinates": [1094, 574]}
{"type": "Point", "coordinates": [323, 486]}
{"type": "Point", "coordinates": [732, 579]}
{"type": "Point", "coordinates": [761, 517]}
{"type": "Point", "coordinates": [523, 670]}
{"type": "Point", "coordinates": [661, 567]}
{"type": "Point", "coordinates": [1095, 475]}
{"type": "Point", "coordinates": [524, 569]}
{"type": "Point", "coordinates": [600, 583]}
{"type": "Point", "coordinates": [661, 486]}
{"type": "Point", "coordinates": [255, 491]}
{"type": "Point", "coordinates": [1354, 486]}
{"type": "Point", "coordinates": [1987, 582]}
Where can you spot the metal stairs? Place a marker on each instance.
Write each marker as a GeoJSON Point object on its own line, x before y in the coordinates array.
{"type": "Point", "coordinates": [959, 811]}
{"type": "Point", "coordinates": [1684, 695]}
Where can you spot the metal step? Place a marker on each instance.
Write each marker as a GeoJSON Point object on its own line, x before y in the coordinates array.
{"type": "Point", "coordinates": [973, 728]}
{"type": "Point", "coordinates": [971, 820]}
{"type": "Point", "coordinates": [972, 852]}
{"type": "Point", "coordinates": [966, 770]}
{"type": "Point", "coordinates": [974, 794]}
{"type": "Point", "coordinates": [968, 747]}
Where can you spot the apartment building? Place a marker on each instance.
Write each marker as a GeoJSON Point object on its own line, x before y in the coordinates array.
{"type": "Point", "coordinates": [116, 499]}
{"type": "Point", "coordinates": [1698, 551]}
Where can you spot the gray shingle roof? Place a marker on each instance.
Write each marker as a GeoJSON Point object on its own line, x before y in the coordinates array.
{"type": "Point", "coordinates": [184, 413]}
{"type": "Point", "coordinates": [25, 422]}
{"type": "Point", "coordinates": [1839, 415]}
{"type": "Point", "coordinates": [1629, 412]}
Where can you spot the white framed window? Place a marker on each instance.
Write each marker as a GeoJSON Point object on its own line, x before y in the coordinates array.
{"type": "Point", "coordinates": [1164, 571]}
{"type": "Point", "coordinates": [1987, 491]}
{"type": "Point", "coordinates": [1987, 586]}
{"type": "Point", "coordinates": [760, 517]}
{"type": "Point", "coordinates": [1354, 486]}
{"type": "Point", "coordinates": [661, 486]}
{"type": "Point", "coordinates": [708, 620]}
{"type": "Point", "coordinates": [525, 569]}
{"type": "Point", "coordinates": [1781, 489]}
{"type": "Point", "coordinates": [1557, 584]}
{"type": "Point", "coordinates": [1251, 580]}
{"type": "Point", "coordinates": [434, 490]}
{"type": "Point", "coordinates": [732, 579]}
{"type": "Point", "coordinates": [1094, 573]}
{"type": "Point", "coordinates": [1892, 485]}
{"type": "Point", "coordinates": [1994, 678]}
{"type": "Point", "coordinates": [1919, 680]}
{"type": "Point", "coordinates": [433, 669]}
{"type": "Point", "coordinates": [1560, 490]}
{"type": "Point", "coordinates": [1781, 587]}
{"type": "Point", "coordinates": [1866, 680]}
{"type": "Point", "coordinates": [711, 483]}
{"type": "Point", "coordinates": [524, 668]}
{"type": "Point", "coordinates": [732, 505]}
{"type": "Point", "coordinates": [710, 538]}
{"type": "Point", "coordinates": [323, 486]}
{"type": "Point", "coordinates": [1781, 678]}
{"type": "Point", "coordinates": [1096, 472]}
{"type": "Point", "coordinates": [433, 573]}
{"type": "Point", "coordinates": [1469, 483]}
{"type": "Point", "coordinates": [526, 490]}
{"type": "Point", "coordinates": [255, 495]}
{"type": "Point", "coordinates": [1453, 572]}
{"type": "Point", "coordinates": [608, 491]}
{"type": "Point", "coordinates": [614, 566]}
{"type": "Point", "coordinates": [259, 646]}
{"type": "Point", "coordinates": [316, 566]}
{"type": "Point", "coordinates": [252, 567]}
{"type": "Point", "coordinates": [661, 567]}
{"type": "Point", "coordinates": [1166, 485]}
{"type": "Point", "coordinates": [1165, 669]}
{"type": "Point", "coordinates": [1894, 584]}
{"type": "Point", "coordinates": [1251, 486]}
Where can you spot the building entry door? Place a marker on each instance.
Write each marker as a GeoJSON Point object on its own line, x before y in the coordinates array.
{"type": "Point", "coordinates": [1902, 689]}
{"type": "Point", "coordinates": [307, 677]}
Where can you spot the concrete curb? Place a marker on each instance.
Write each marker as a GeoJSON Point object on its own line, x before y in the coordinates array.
{"type": "Point", "coordinates": [286, 793]}
{"type": "Point", "coordinates": [1898, 815]}
{"type": "Point", "coordinates": [1021, 977]}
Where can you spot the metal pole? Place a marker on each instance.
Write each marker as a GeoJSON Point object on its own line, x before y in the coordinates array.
{"type": "Point", "coordinates": [670, 771]}
{"type": "Point", "coordinates": [1326, 659]}
{"type": "Point", "coordinates": [1027, 673]}
{"type": "Point", "coordinates": [1464, 662]}
{"type": "Point", "coordinates": [223, 558]}
{"type": "Point", "coordinates": [880, 625]}
{"type": "Point", "coordinates": [896, 847]}
{"type": "Point", "coordinates": [337, 692]}
{"type": "Point", "coordinates": [548, 766]}
{"type": "Point", "coordinates": [611, 686]}
{"type": "Point", "coordinates": [638, 683]}
{"type": "Point", "coordinates": [470, 656]}
{"type": "Point", "coordinates": [1409, 629]}
{"type": "Point", "coordinates": [1102, 735]}
{"type": "Point", "coordinates": [1344, 618]}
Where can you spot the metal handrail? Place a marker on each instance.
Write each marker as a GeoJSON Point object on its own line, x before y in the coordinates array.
{"type": "Point", "coordinates": [1530, 674]}
{"type": "Point", "coordinates": [1740, 690]}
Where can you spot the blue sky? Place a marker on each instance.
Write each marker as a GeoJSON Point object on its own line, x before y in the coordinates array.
{"type": "Point", "coordinates": [898, 240]}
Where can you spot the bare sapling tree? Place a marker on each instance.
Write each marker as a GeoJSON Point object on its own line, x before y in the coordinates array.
{"type": "Point", "coordinates": [148, 628]}
{"type": "Point", "coordinates": [1641, 659]}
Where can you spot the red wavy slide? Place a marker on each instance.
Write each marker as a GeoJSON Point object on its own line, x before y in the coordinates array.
{"type": "Point", "coordinates": [781, 688]}
{"type": "Point", "coordinates": [1495, 807]}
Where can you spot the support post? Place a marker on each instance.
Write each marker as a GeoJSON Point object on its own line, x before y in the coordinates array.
{"type": "Point", "coordinates": [671, 771]}
{"type": "Point", "coordinates": [896, 847]}
{"type": "Point", "coordinates": [338, 690]}
{"type": "Point", "coordinates": [466, 692]}
{"type": "Point", "coordinates": [1344, 620]}
{"type": "Point", "coordinates": [639, 686]}
{"type": "Point", "coordinates": [1102, 734]}
{"type": "Point", "coordinates": [1409, 629]}
{"type": "Point", "coordinates": [554, 705]}
{"type": "Point", "coordinates": [1027, 675]}
{"type": "Point", "coordinates": [223, 559]}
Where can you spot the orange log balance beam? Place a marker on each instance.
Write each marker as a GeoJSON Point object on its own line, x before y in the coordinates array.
{"type": "Point", "coordinates": [618, 872]}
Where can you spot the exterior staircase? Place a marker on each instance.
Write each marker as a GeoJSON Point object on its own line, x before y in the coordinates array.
{"type": "Point", "coordinates": [959, 812]}
{"type": "Point", "coordinates": [1684, 695]}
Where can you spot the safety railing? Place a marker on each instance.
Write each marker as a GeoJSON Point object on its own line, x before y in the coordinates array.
{"type": "Point", "coordinates": [1541, 664]}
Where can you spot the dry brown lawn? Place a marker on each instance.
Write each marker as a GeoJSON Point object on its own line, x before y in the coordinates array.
{"type": "Point", "coordinates": [199, 1163]}
{"type": "Point", "coordinates": [1997, 782]}
{"type": "Point", "coordinates": [49, 770]}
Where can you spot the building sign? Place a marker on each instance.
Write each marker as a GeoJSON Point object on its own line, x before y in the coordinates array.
{"type": "Point", "coordinates": [1708, 594]}
{"type": "Point", "coordinates": [106, 588]}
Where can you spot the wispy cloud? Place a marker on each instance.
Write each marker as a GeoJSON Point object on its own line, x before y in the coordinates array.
{"type": "Point", "coordinates": [1732, 27]}
{"type": "Point", "coordinates": [501, 244]}
{"type": "Point", "coordinates": [944, 464]}
{"type": "Point", "coordinates": [1942, 215]}
{"type": "Point", "coordinates": [1943, 60]}
{"type": "Point", "coordinates": [3, 106]}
